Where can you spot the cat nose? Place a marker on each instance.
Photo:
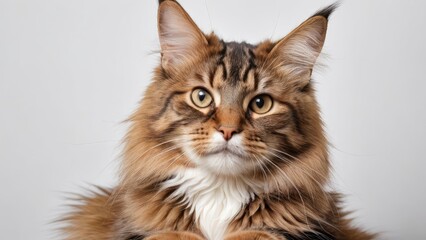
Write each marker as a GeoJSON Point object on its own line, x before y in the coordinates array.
{"type": "Point", "coordinates": [227, 132]}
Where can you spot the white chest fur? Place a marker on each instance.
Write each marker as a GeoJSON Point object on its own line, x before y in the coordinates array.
{"type": "Point", "coordinates": [213, 199]}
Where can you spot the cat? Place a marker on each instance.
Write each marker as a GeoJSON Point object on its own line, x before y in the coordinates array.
{"type": "Point", "coordinates": [227, 143]}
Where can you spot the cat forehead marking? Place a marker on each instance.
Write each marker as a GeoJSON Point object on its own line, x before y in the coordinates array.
{"type": "Point", "coordinates": [237, 61]}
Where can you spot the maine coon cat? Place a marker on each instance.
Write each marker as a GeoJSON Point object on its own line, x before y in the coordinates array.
{"type": "Point", "coordinates": [227, 144]}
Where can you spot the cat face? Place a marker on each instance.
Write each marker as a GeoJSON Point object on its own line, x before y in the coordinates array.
{"type": "Point", "coordinates": [236, 117]}
{"type": "Point", "coordinates": [234, 108]}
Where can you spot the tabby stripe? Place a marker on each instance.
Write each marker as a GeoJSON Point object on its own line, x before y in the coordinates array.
{"type": "Point", "coordinates": [136, 237]}
{"type": "Point", "coordinates": [224, 71]}
{"type": "Point", "coordinates": [221, 61]}
{"type": "Point", "coordinates": [212, 74]}
{"type": "Point", "coordinates": [167, 102]}
{"type": "Point", "coordinates": [222, 52]}
{"type": "Point", "coordinates": [247, 71]}
{"type": "Point", "coordinates": [267, 83]}
{"type": "Point", "coordinates": [210, 114]}
{"type": "Point", "coordinates": [290, 149]}
{"type": "Point", "coordinates": [174, 125]}
{"type": "Point", "coordinates": [199, 77]}
{"type": "Point", "coordinates": [236, 62]}
{"type": "Point", "coordinates": [251, 65]}
{"type": "Point", "coordinates": [295, 116]}
{"type": "Point", "coordinates": [256, 80]}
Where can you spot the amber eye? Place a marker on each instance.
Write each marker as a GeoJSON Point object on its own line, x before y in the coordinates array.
{"type": "Point", "coordinates": [261, 104]}
{"type": "Point", "coordinates": [201, 98]}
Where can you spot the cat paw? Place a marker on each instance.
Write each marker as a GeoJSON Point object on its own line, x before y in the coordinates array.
{"type": "Point", "coordinates": [174, 236]}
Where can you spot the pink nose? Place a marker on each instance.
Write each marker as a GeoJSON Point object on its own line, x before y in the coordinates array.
{"type": "Point", "coordinates": [227, 132]}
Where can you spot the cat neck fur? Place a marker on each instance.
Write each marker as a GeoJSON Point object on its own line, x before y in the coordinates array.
{"type": "Point", "coordinates": [214, 199]}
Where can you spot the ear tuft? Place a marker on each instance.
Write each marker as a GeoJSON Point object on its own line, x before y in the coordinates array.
{"type": "Point", "coordinates": [327, 11]}
{"type": "Point", "coordinates": [295, 55]}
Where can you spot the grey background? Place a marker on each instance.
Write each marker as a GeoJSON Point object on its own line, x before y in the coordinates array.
{"type": "Point", "coordinates": [72, 71]}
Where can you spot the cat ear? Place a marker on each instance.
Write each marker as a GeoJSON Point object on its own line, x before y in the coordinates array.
{"type": "Point", "coordinates": [180, 38]}
{"type": "Point", "coordinates": [295, 55]}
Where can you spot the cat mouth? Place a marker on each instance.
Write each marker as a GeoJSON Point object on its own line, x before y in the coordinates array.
{"type": "Point", "coordinates": [226, 150]}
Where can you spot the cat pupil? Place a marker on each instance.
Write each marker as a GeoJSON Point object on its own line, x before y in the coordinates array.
{"type": "Point", "coordinates": [201, 96]}
{"type": "Point", "coordinates": [260, 102]}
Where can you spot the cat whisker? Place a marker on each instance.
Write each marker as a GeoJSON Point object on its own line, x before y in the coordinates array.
{"type": "Point", "coordinates": [270, 173]}
{"type": "Point", "coordinates": [261, 165]}
{"type": "Point", "coordinates": [303, 163]}
{"type": "Point", "coordinates": [174, 147]}
{"type": "Point", "coordinates": [303, 170]}
{"type": "Point", "coordinates": [309, 175]}
{"type": "Point", "coordinates": [119, 189]}
{"type": "Point", "coordinates": [285, 160]}
{"type": "Point", "coordinates": [158, 145]}
{"type": "Point", "coordinates": [294, 186]}
{"type": "Point", "coordinates": [172, 161]}
{"type": "Point", "coordinates": [167, 150]}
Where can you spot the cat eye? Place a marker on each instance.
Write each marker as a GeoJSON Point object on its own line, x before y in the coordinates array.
{"type": "Point", "coordinates": [261, 104]}
{"type": "Point", "coordinates": [201, 98]}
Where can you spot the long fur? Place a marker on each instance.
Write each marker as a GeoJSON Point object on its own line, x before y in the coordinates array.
{"type": "Point", "coordinates": [224, 171]}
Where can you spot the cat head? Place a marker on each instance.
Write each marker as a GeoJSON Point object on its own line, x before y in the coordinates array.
{"type": "Point", "coordinates": [231, 109]}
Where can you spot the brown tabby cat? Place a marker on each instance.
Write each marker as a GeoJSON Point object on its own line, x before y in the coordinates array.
{"type": "Point", "coordinates": [227, 144]}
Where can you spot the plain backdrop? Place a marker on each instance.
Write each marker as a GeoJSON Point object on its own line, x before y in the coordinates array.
{"type": "Point", "coordinates": [72, 70]}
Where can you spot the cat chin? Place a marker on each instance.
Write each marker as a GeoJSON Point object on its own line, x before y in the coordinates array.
{"type": "Point", "coordinates": [220, 163]}
{"type": "Point", "coordinates": [226, 158]}
{"type": "Point", "coordinates": [223, 163]}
